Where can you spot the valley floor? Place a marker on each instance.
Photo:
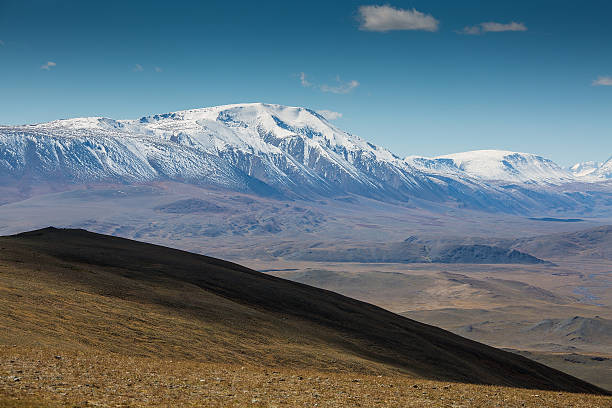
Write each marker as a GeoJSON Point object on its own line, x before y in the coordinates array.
{"type": "Point", "coordinates": [46, 377]}
{"type": "Point", "coordinates": [507, 306]}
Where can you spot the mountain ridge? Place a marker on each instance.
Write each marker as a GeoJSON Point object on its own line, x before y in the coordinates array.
{"type": "Point", "coordinates": [593, 170]}
{"type": "Point", "coordinates": [275, 150]}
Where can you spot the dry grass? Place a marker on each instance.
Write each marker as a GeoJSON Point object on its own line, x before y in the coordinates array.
{"type": "Point", "coordinates": [36, 310]}
{"type": "Point", "coordinates": [80, 379]}
{"type": "Point", "coordinates": [138, 325]}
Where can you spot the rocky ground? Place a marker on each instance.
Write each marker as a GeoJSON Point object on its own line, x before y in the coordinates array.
{"type": "Point", "coordinates": [44, 377]}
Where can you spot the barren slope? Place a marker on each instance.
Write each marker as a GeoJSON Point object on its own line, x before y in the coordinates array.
{"type": "Point", "coordinates": [77, 290]}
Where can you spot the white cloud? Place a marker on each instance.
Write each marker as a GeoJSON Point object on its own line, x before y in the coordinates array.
{"type": "Point", "coordinates": [329, 115]}
{"type": "Point", "coordinates": [158, 69]}
{"type": "Point", "coordinates": [499, 27]}
{"type": "Point", "coordinates": [387, 18]}
{"type": "Point", "coordinates": [304, 81]}
{"type": "Point", "coordinates": [48, 65]}
{"type": "Point", "coordinates": [341, 87]}
{"type": "Point", "coordinates": [138, 68]}
{"type": "Point", "coordinates": [1, 43]}
{"type": "Point", "coordinates": [492, 27]}
{"type": "Point", "coordinates": [602, 81]}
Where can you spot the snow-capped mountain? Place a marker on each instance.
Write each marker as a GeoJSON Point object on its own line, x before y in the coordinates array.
{"type": "Point", "coordinates": [269, 149]}
{"type": "Point", "coordinates": [504, 166]}
{"type": "Point", "coordinates": [585, 168]}
{"type": "Point", "coordinates": [605, 170]}
{"type": "Point", "coordinates": [593, 170]}
{"type": "Point", "coordinates": [237, 146]}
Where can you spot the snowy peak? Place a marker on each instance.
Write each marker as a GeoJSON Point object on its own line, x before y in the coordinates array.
{"type": "Point", "coordinates": [271, 149]}
{"type": "Point", "coordinates": [605, 170]}
{"type": "Point", "coordinates": [584, 168]}
{"type": "Point", "coordinates": [289, 149]}
{"type": "Point", "coordinates": [508, 166]}
{"type": "Point", "coordinates": [592, 170]}
{"type": "Point", "coordinates": [283, 122]}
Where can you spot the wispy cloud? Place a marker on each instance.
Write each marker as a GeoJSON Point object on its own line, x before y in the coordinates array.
{"type": "Point", "coordinates": [1, 43]}
{"type": "Point", "coordinates": [138, 68]}
{"type": "Point", "coordinates": [602, 81]}
{"type": "Point", "coordinates": [492, 27]}
{"type": "Point", "coordinates": [158, 69]}
{"type": "Point", "coordinates": [329, 115]}
{"type": "Point", "coordinates": [304, 81]}
{"type": "Point", "coordinates": [387, 18]}
{"type": "Point", "coordinates": [499, 27]}
{"type": "Point", "coordinates": [470, 30]}
{"type": "Point", "coordinates": [341, 87]}
{"type": "Point", "coordinates": [48, 65]}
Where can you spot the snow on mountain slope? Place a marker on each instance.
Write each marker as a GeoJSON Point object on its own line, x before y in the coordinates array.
{"type": "Point", "coordinates": [91, 154]}
{"type": "Point", "coordinates": [585, 168]}
{"type": "Point", "coordinates": [593, 171]}
{"type": "Point", "coordinates": [500, 165]}
{"type": "Point", "coordinates": [268, 149]}
{"type": "Point", "coordinates": [236, 146]}
{"type": "Point", "coordinates": [604, 171]}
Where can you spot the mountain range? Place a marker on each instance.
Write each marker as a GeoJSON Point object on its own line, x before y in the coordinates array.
{"type": "Point", "coordinates": [593, 170]}
{"type": "Point", "coordinates": [289, 152]}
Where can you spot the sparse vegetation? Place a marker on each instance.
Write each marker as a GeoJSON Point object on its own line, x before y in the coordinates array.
{"type": "Point", "coordinates": [93, 320]}
{"type": "Point", "coordinates": [56, 378]}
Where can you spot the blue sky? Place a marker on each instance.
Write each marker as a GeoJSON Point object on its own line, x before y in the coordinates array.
{"type": "Point", "coordinates": [418, 77]}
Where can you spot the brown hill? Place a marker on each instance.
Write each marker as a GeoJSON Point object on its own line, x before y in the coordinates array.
{"type": "Point", "coordinates": [593, 243]}
{"type": "Point", "coordinates": [79, 290]}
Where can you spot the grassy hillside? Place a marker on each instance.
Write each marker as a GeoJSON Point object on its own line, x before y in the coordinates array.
{"type": "Point", "coordinates": [88, 293]}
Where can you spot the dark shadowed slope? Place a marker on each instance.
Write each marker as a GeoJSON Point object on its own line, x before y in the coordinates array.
{"type": "Point", "coordinates": [409, 252]}
{"type": "Point", "coordinates": [78, 289]}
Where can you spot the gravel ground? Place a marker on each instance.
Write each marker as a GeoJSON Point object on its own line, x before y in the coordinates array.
{"type": "Point", "coordinates": [41, 377]}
